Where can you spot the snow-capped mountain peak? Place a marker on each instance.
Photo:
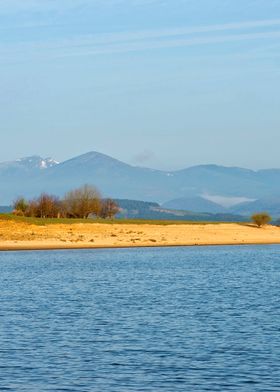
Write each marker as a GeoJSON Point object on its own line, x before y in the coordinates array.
{"type": "Point", "coordinates": [36, 162]}
{"type": "Point", "coordinates": [48, 162]}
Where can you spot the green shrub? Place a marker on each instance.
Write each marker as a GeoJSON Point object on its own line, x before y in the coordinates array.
{"type": "Point", "coordinates": [261, 219]}
{"type": "Point", "coordinates": [21, 206]}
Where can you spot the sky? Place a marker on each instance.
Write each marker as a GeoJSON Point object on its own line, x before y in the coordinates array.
{"type": "Point", "coordinates": [165, 84]}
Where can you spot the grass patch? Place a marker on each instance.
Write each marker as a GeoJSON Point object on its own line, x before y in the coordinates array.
{"type": "Point", "coordinates": [67, 221]}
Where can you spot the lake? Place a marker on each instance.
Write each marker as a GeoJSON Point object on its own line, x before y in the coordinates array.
{"type": "Point", "coordinates": [157, 319]}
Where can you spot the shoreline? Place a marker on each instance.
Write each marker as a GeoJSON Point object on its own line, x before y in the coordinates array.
{"type": "Point", "coordinates": [97, 247]}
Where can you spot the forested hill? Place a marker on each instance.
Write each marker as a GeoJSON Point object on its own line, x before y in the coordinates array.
{"type": "Point", "coordinates": [134, 209]}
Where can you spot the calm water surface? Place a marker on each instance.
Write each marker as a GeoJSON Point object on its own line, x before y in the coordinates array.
{"type": "Point", "coordinates": [173, 319]}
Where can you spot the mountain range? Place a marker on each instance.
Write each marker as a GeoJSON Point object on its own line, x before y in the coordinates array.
{"type": "Point", "coordinates": [203, 188]}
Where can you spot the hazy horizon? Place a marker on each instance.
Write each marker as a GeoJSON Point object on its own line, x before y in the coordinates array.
{"type": "Point", "coordinates": [154, 83]}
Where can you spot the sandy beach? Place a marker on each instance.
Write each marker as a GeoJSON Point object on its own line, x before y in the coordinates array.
{"type": "Point", "coordinates": [21, 235]}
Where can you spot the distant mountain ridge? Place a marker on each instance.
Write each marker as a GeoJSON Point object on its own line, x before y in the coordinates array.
{"type": "Point", "coordinates": [33, 175]}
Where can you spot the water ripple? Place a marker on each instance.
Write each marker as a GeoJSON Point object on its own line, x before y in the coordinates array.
{"type": "Point", "coordinates": [179, 319]}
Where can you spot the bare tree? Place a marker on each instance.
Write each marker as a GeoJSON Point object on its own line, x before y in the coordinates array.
{"type": "Point", "coordinates": [45, 206]}
{"type": "Point", "coordinates": [78, 203]}
{"type": "Point", "coordinates": [48, 206]}
{"type": "Point", "coordinates": [32, 209]}
{"type": "Point", "coordinates": [109, 208]}
{"type": "Point", "coordinates": [81, 202]}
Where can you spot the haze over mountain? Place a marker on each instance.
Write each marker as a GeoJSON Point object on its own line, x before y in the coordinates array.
{"type": "Point", "coordinates": [196, 188]}
{"type": "Point", "coordinates": [195, 204]}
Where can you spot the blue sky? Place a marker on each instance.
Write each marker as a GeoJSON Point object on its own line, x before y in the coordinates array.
{"type": "Point", "coordinates": [159, 83]}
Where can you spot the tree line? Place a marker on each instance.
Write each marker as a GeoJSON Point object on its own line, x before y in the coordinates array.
{"type": "Point", "coordinates": [78, 203]}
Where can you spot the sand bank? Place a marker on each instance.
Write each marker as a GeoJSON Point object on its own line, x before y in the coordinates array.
{"type": "Point", "coordinates": [20, 235]}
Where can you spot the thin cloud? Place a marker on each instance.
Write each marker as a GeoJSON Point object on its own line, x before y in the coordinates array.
{"type": "Point", "coordinates": [165, 44]}
{"type": "Point", "coordinates": [16, 6]}
{"type": "Point", "coordinates": [142, 35]}
{"type": "Point", "coordinates": [122, 42]}
{"type": "Point", "coordinates": [143, 157]}
{"type": "Point", "coordinates": [163, 33]}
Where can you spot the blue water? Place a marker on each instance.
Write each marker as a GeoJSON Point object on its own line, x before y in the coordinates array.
{"type": "Point", "coordinates": [173, 319]}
